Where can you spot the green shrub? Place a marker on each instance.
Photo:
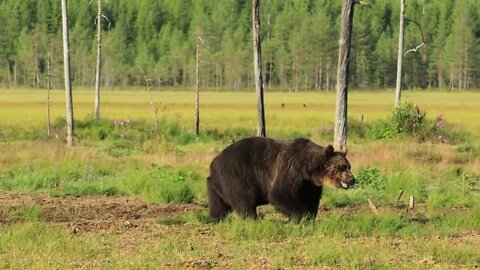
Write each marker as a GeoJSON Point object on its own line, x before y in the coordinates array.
{"type": "Point", "coordinates": [381, 130]}
{"type": "Point", "coordinates": [408, 118]}
{"type": "Point", "coordinates": [370, 178]}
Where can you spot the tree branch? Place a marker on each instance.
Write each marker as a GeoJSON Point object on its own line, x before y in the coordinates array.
{"type": "Point", "coordinates": [421, 32]}
{"type": "Point", "coordinates": [360, 2]}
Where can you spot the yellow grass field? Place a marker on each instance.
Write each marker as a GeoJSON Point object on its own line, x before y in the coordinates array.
{"type": "Point", "coordinates": [302, 111]}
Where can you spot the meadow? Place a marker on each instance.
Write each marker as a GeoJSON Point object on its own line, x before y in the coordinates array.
{"type": "Point", "coordinates": [123, 199]}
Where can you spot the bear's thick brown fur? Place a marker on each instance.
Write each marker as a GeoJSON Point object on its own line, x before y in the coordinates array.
{"type": "Point", "coordinates": [256, 171]}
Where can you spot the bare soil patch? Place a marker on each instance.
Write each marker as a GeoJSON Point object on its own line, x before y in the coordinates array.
{"type": "Point", "coordinates": [89, 213]}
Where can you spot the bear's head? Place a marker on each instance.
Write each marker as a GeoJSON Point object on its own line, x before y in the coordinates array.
{"type": "Point", "coordinates": [333, 169]}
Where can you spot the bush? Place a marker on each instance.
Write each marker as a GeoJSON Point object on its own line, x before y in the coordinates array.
{"type": "Point", "coordinates": [408, 118]}
{"type": "Point", "coordinates": [381, 130]}
{"type": "Point", "coordinates": [370, 178]}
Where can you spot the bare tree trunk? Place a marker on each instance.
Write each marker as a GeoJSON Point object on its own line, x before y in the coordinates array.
{"type": "Point", "coordinates": [398, 90]}
{"type": "Point", "coordinates": [197, 91]}
{"type": "Point", "coordinates": [465, 71]}
{"type": "Point", "coordinates": [184, 74]}
{"type": "Point", "coordinates": [154, 108]}
{"type": "Point", "coordinates": [340, 140]}
{"type": "Point", "coordinates": [9, 73]}
{"type": "Point", "coordinates": [99, 60]}
{"type": "Point", "coordinates": [15, 74]}
{"type": "Point", "coordinates": [49, 72]}
{"type": "Point", "coordinates": [257, 63]}
{"type": "Point", "coordinates": [36, 70]}
{"type": "Point", "coordinates": [68, 82]}
{"type": "Point", "coordinates": [328, 73]}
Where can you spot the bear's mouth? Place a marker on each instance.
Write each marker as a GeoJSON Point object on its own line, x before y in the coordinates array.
{"type": "Point", "coordinates": [344, 185]}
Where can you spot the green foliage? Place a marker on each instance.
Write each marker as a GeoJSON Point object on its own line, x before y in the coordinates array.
{"type": "Point", "coordinates": [156, 183]}
{"type": "Point", "coordinates": [162, 184]}
{"type": "Point", "coordinates": [174, 186]}
{"type": "Point", "coordinates": [408, 118]}
{"type": "Point", "coordinates": [160, 37]}
{"type": "Point", "coordinates": [382, 130]}
{"type": "Point", "coordinates": [370, 178]}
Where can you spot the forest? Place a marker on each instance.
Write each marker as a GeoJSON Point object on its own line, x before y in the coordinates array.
{"type": "Point", "coordinates": [299, 43]}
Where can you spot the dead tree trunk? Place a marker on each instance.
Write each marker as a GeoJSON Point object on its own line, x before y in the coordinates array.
{"type": "Point", "coordinates": [398, 90]}
{"type": "Point", "coordinates": [99, 60]}
{"type": "Point", "coordinates": [340, 140]}
{"type": "Point", "coordinates": [197, 91]}
{"type": "Point", "coordinates": [154, 108]}
{"type": "Point", "coordinates": [257, 64]}
{"type": "Point", "coordinates": [9, 73]}
{"type": "Point", "coordinates": [49, 84]}
{"type": "Point", "coordinates": [68, 82]}
{"type": "Point", "coordinates": [36, 49]}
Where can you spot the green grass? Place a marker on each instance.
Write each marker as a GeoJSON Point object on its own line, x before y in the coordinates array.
{"type": "Point", "coordinates": [248, 244]}
{"type": "Point", "coordinates": [154, 183]}
{"type": "Point", "coordinates": [110, 160]}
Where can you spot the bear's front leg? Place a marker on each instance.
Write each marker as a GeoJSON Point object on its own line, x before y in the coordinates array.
{"type": "Point", "coordinates": [289, 204]}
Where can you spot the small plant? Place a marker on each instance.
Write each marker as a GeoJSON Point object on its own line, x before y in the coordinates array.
{"type": "Point", "coordinates": [370, 178]}
{"type": "Point", "coordinates": [26, 213]}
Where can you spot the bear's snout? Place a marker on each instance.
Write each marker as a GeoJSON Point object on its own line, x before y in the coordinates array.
{"type": "Point", "coordinates": [348, 183]}
{"type": "Point", "coordinates": [352, 180]}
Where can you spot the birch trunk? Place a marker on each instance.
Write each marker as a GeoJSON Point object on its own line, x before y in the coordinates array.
{"type": "Point", "coordinates": [49, 84]}
{"type": "Point", "coordinates": [398, 89]}
{"type": "Point", "coordinates": [340, 140]}
{"type": "Point", "coordinates": [68, 83]}
{"type": "Point", "coordinates": [197, 91]}
{"type": "Point", "coordinates": [99, 60]}
{"type": "Point", "coordinates": [257, 63]}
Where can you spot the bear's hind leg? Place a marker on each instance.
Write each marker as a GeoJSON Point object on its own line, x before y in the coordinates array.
{"type": "Point", "coordinates": [218, 208]}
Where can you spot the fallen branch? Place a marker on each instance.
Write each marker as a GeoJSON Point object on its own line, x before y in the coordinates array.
{"type": "Point", "coordinates": [411, 203]}
{"type": "Point", "coordinates": [372, 206]}
{"type": "Point", "coordinates": [399, 195]}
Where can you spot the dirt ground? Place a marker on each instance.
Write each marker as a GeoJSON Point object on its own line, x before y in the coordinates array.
{"type": "Point", "coordinates": [90, 213]}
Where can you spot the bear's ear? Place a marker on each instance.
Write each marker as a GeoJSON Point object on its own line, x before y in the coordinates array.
{"type": "Point", "coordinates": [329, 150]}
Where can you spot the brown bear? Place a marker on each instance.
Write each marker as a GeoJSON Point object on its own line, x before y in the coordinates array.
{"type": "Point", "coordinates": [256, 171]}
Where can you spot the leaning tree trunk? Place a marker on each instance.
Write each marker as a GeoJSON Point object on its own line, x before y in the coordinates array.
{"type": "Point", "coordinates": [257, 64]}
{"type": "Point", "coordinates": [340, 140]}
{"type": "Point", "coordinates": [99, 60]}
{"type": "Point", "coordinates": [398, 90]}
{"type": "Point", "coordinates": [68, 83]}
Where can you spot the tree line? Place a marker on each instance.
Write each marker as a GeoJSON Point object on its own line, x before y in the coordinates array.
{"type": "Point", "coordinates": [299, 43]}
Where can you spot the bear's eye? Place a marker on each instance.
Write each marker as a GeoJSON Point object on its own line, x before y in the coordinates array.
{"type": "Point", "coordinates": [343, 167]}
